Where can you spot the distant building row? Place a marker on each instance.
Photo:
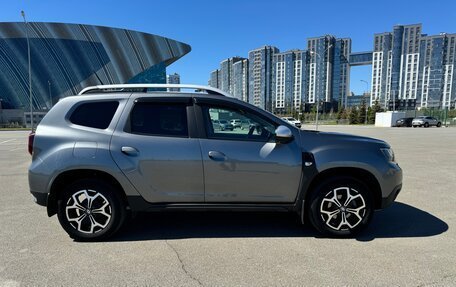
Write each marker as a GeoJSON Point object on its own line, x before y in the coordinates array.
{"type": "Point", "coordinates": [286, 81]}
{"type": "Point", "coordinates": [408, 69]}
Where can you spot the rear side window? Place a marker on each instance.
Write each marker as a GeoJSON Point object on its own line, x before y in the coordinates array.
{"type": "Point", "coordinates": [94, 115]}
{"type": "Point", "coordinates": [159, 119]}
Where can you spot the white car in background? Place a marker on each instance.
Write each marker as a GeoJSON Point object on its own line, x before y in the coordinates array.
{"type": "Point", "coordinates": [292, 121]}
{"type": "Point", "coordinates": [425, 121]}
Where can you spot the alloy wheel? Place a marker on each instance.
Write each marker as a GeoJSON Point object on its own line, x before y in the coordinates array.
{"type": "Point", "coordinates": [343, 208]}
{"type": "Point", "coordinates": [88, 211]}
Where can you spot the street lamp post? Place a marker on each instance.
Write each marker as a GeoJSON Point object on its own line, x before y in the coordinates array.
{"type": "Point", "coordinates": [29, 70]}
{"type": "Point", "coordinates": [318, 98]}
{"type": "Point", "coordinates": [367, 91]}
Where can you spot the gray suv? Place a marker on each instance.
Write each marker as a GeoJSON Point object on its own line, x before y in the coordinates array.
{"type": "Point", "coordinates": [117, 149]}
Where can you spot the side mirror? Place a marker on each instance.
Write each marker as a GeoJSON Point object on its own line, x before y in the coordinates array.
{"type": "Point", "coordinates": [283, 135]}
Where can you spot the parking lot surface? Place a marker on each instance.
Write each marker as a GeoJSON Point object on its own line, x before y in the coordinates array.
{"type": "Point", "coordinates": [412, 243]}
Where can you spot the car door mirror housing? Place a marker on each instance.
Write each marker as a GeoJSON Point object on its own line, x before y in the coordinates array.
{"type": "Point", "coordinates": [283, 134]}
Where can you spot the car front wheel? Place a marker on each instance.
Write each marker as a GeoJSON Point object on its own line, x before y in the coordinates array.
{"type": "Point", "coordinates": [91, 210]}
{"type": "Point", "coordinates": [341, 207]}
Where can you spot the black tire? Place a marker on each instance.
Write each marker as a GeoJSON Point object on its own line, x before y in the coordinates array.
{"type": "Point", "coordinates": [426, 125]}
{"type": "Point", "coordinates": [110, 216]}
{"type": "Point", "coordinates": [320, 199]}
{"type": "Point", "coordinates": [439, 124]}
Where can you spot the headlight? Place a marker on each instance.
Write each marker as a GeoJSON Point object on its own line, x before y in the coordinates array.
{"type": "Point", "coordinates": [389, 154]}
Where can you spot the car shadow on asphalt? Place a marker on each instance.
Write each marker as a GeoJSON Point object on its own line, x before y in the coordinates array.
{"type": "Point", "coordinates": [399, 220]}
{"type": "Point", "coordinates": [403, 220]}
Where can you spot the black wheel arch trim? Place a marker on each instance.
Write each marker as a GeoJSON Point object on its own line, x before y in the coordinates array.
{"type": "Point", "coordinates": [72, 175]}
{"type": "Point", "coordinates": [312, 178]}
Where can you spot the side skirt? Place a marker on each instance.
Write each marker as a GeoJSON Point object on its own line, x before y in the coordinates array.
{"type": "Point", "coordinates": [137, 203]}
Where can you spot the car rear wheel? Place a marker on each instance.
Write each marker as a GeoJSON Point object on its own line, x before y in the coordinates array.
{"type": "Point", "coordinates": [91, 210]}
{"type": "Point", "coordinates": [340, 207]}
{"type": "Point", "coordinates": [426, 125]}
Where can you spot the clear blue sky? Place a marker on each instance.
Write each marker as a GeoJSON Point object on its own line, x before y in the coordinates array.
{"type": "Point", "coordinates": [220, 29]}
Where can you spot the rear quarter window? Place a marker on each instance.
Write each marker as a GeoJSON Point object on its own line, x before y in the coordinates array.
{"type": "Point", "coordinates": [94, 115]}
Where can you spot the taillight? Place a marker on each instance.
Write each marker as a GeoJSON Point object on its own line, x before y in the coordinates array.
{"type": "Point", "coordinates": [31, 138]}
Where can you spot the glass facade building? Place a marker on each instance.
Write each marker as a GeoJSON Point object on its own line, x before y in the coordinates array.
{"type": "Point", "coordinates": [436, 85]}
{"type": "Point", "coordinates": [340, 87]}
{"type": "Point", "coordinates": [65, 58]}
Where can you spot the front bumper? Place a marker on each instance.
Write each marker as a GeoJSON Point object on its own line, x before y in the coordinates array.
{"type": "Point", "coordinates": [40, 198]}
{"type": "Point", "coordinates": [392, 197]}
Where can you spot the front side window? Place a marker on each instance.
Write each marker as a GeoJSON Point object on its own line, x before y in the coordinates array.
{"type": "Point", "coordinates": [235, 124]}
{"type": "Point", "coordinates": [159, 119]}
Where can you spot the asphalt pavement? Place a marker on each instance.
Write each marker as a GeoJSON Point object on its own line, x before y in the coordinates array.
{"type": "Point", "coordinates": [412, 243]}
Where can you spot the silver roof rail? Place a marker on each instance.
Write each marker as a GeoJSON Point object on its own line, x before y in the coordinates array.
{"type": "Point", "coordinates": [120, 87]}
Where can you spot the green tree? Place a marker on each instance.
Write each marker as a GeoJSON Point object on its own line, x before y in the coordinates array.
{"type": "Point", "coordinates": [344, 114]}
{"type": "Point", "coordinates": [340, 113]}
{"type": "Point", "coordinates": [376, 108]}
{"type": "Point", "coordinates": [313, 110]}
{"type": "Point", "coordinates": [353, 116]}
{"type": "Point", "coordinates": [362, 112]}
{"type": "Point", "coordinates": [370, 116]}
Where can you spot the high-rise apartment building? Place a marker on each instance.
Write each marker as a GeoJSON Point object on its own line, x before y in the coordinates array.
{"type": "Point", "coordinates": [290, 74]}
{"type": "Point", "coordinates": [329, 70]}
{"type": "Point", "coordinates": [341, 71]}
{"type": "Point", "coordinates": [173, 79]}
{"type": "Point", "coordinates": [226, 73]}
{"type": "Point", "coordinates": [381, 68]}
{"type": "Point", "coordinates": [215, 79]}
{"type": "Point", "coordinates": [240, 80]}
{"type": "Point", "coordinates": [395, 65]}
{"type": "Point", "coordinates": [409, 70]}
{"type": "Point", "coordinates": [437, 83]}
{"type": "Point", "coordinates": [260, 76]}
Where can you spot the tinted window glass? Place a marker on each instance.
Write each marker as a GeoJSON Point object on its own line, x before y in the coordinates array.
{"type": "Point", "coordinates": [160, 119]}
{"type": "Point", "coordinates": [95, 115]}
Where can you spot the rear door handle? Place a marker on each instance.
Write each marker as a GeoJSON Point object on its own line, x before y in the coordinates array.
{"type": "Point", "coordinates": [131, 151]}
{"type": "Point", "coordinates": [217, 156]}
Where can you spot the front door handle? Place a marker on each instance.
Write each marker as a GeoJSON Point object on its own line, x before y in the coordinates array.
{"type": "Point", "coordinates": [131, 151]}
{"type": "Point", "coordinates": [217, 156]}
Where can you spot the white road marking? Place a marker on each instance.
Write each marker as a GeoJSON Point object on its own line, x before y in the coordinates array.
{"type": "Point", "coordinates": [7, 141]}
{"type": "Point", "coordinates": [16, 148]}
